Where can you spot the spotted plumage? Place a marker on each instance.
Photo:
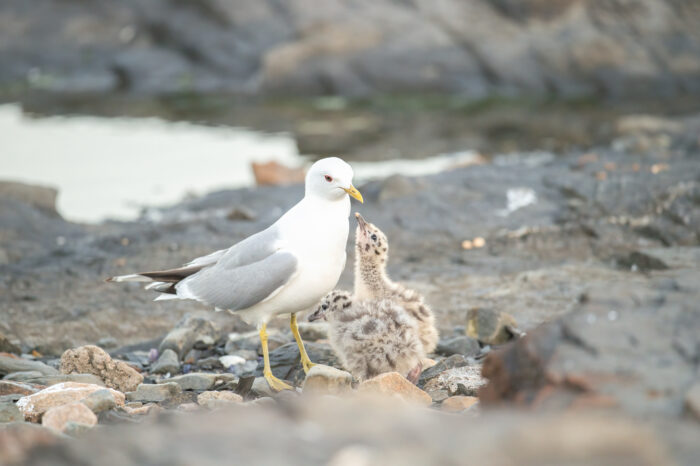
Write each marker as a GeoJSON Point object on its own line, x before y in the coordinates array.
{"type": "Point", "coordinates": [371, 337]}
{"type": "Point", "coordinates": [373, 283]}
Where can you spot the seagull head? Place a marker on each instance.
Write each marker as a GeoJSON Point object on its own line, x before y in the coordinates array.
{"type": "Point", "coordinates": [331, 178]}
{"type": "Point", "coordinates": [371, 242]}
{"type": "Point", "coordinates": [331, 305]}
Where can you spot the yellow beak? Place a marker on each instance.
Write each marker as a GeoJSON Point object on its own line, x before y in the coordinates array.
{"type": "Point", "coordinates": [352, 191]}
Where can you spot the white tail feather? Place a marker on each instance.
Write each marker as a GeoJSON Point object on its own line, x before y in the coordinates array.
{"type": "Point", "coordinates": [165, 296]}
{"type": "Point", "coordinates": [134, 277]}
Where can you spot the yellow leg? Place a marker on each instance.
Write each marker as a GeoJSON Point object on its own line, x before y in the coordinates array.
{"type": "Point", "coordinates": [275, 383]}
{"type": "Point", "coordinates": [305, 361]}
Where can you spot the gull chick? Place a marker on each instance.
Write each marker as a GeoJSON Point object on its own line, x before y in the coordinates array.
{"type": "Point", "coordinates": [371, 337]}
{"type": "Point", "coordinates": [283, 269]}
{"type": "Point", "coordinates": [372, 281]}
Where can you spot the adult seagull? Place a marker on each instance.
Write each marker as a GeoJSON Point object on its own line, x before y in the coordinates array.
{"type": "Point", "coordinates": [285, 268]}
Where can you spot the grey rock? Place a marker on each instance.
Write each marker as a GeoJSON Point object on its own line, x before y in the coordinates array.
{"type": "Point", "coordinates": [168, 362]}
{"type": "Point", "coordinates": [199, 381]}
{"type": "Point", "coordinates": [23, 376]}
{"type": "Point", "coordinates": [9, 364]}
{"type": "Point", "coordinates": [54, 379]}
{"type": "Point", "coordinates": [285, 361]}
{"type": "Point", "coordinates": [101, 400]}
{"type": "Point", "coordinates": [438, 395]}
{"type": "Point", "coordinates": [463, 345]}
{"type": "Point", "coordinates": [154, 393]}
{"type": "Point", "coordinates": [189, 331]}
{"type": "Point", "coordinates": [456, 360]}
{"type": "Point", "coordinates": [9, 412]}
{"type": "Point", "coordinates": [465, 380]}
{"type": "Point", "coordinates": [261, 388]}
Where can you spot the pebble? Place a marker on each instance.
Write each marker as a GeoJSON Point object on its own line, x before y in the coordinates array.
{"type": "Point", "coordinates": [23, 376]}
{"type": "Point", "coordinates": [60, 378]}
{"type": "Point", "coordinates": [76, 429]}
{"type": "Point", "coordinates": [393, 383]}
{"type": "Point", "coordinates": [8, 387]}
{"type": "Point", "coordinates": [58, 416]}
{"type": "Point", "coordinates": [200, 381]}
{"type": "Point", "coordinates": [231, 360]}
{"type": "Point", "coordinates": [91, 359]}
{"type": "Point", "coordinates": [464, 345]}
{"type": "Point", "coordinates": [9, 364]}
{"type": "Point", "coordinates": [9, 412]}
{"type": "Point", "coordinates": [438, 395]}
{"type": "Point", "coordinates": [101, 400]}
{"type": "Point", "coordinates": [458, 403]}
{"type": "Point", "coordinates": [154, 392]}
{"type": "Point", "coordinates": [168, 363]}
{"type": "Point", "coordinates": [456, 360]}
{"type": "Point", "coordinates": [34, 406]}
{"type": "Point", "coordinates": [465, 380]}
{"type": "Point", "coordinates": [218, 399]}
{"type": "Point", "coordinates": [190, 330]}
{"type": "Point", "coordinates": [261, 388]}
{"type": "Point", "coordinates": [323, 379]}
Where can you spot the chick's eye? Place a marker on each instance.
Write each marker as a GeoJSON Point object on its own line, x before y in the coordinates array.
{"type": "Point", "coordinates": [329, 178]}
{"type": "Point", "coordinates": [324, 306]}
{"type": "Point", "coordinates": [374, 237]}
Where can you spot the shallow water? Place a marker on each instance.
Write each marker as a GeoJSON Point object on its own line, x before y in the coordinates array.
{"type": "Point", "coordinates": [110, 168]}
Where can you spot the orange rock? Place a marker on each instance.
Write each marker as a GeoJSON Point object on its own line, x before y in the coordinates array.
{"type": "Point", "coordinates": [323, 379]}
{"type": "Point", "coordinates": [34, 406]}
{"type": "Point", "coordinates": [94, 360]}
{"type": "Point", "coordinates": [273, 173]}
{"type": "Point", "coordinates": [393, 383]}
{"type": "Point", "coordinates": [58, 416]}
{"type": "Point", "coordinates": [458, 403]}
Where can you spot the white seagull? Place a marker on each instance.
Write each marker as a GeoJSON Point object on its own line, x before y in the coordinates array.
{"type": "Point", "coordinates": [285, 268]}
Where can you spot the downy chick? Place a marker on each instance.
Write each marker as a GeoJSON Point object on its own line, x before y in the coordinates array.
{"type": "Point", "coordinates": [371, 337]}
{"type": "Point", "coordinates": [372, 281]}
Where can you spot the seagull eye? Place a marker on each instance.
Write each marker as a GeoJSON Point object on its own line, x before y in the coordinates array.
{"type": "Point", "coordinates": [329, 178]}
{"type": "Point", "coordinates": [374, 237]}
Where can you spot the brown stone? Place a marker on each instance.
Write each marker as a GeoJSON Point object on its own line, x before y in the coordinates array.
{"type": "Point", "coordinates": [34, 406]}
{"type": "Point", "coordinates": [692, 400]}
{"type": "Point", "coordinates": [274, 173]}
{"type": "Point", "coordinates": [215, 399]}
{"type": "Point", "coordinates": [458, 403]}
{"type": "Point", "coordinates": [393, 383]}
{"type": "Point", "coordinates": [91, 359]}
{"type": "Point", "coordinates": [58, 416]}
{"type": "Point", "coordinates": [323, 379]}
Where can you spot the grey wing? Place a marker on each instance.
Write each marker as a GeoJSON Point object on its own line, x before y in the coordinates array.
{"type": "Point", "coordinates": [239, 287]}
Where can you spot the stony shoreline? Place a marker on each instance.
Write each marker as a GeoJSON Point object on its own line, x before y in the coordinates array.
{"type": "Point", "coordinates": [594, 254]}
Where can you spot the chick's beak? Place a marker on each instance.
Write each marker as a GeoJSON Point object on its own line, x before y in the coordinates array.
{"type": "Point", "coordinates": [361, 222]}
{"type": "Point", "coordinates": [352, 191]}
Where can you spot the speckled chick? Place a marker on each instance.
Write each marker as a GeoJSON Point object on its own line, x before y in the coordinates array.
{"type": "Point", "coordinates": [372, 281]}
{"type": "Point", "coordinates": [371, 337]}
